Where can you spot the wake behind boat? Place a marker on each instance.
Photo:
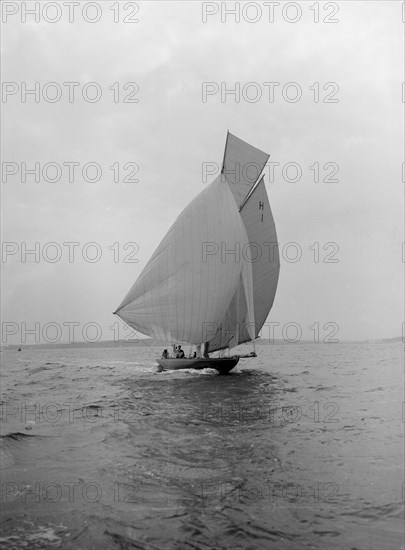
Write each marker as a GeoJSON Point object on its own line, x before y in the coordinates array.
{"type": "Point", "coordinates": [212, 280]}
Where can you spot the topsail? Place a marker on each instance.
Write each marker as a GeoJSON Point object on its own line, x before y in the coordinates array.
{"type": "Point", "coordinates": [213, 277]}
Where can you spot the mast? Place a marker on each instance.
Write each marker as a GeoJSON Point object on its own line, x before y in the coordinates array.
{"type": "Point", "coordinates": [237, 314]}
{"type": "Point", "coordinates": [226, 145]}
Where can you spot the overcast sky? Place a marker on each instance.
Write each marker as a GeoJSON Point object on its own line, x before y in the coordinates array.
{"type": "Point", "coordinates": [170, 132]}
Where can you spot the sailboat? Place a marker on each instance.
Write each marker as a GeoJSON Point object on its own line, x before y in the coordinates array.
{"type": "Point", "coordinates": [212, 280]}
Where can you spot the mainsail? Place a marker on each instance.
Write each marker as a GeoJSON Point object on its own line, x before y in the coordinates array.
{"type": "Point", "coordinates": [212, 279]}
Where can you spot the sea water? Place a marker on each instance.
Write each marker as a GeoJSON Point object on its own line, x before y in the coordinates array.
{"type": "Point", "coordinates": [301, 447]}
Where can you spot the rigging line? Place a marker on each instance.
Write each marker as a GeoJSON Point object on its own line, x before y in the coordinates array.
{"type": "Point", "coordinates": [143, 341]}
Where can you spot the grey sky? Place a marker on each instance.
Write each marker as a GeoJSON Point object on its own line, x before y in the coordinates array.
{"type": "Point", "coordinates": [171, 132]}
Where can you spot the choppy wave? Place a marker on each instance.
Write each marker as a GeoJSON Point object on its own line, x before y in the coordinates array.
{"type": "Point", "coordinates": [301, 448]}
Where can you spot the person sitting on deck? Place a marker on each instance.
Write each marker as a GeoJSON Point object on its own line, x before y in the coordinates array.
{"type": "Point", "coordinates": [180, 353]}
{"type": "Point", "coordinates": [165, 354]}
